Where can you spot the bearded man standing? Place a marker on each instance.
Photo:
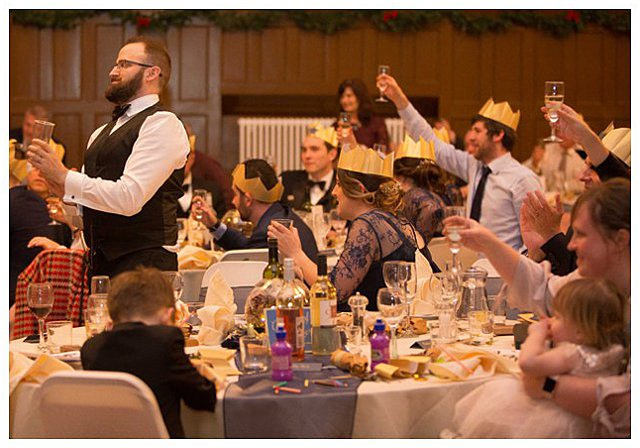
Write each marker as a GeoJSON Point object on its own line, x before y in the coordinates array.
{"type": "Point", "coordinates": [133, 171]}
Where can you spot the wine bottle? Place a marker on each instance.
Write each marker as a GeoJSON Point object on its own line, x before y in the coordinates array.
{"type": "Point", "coordinates": [324, 303]}
{"type": "Point", "coordinates": [289, 312]}
{"type": "Point", "coordinates": [274, 269]}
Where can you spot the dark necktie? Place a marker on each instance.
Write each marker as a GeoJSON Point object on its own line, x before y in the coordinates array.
{"type": "Point", "coordinates": [320, 183]}
{"type": "Point", "coordinates": [476, 205]}
{"type": "Point", "coordinates": [119, 111]}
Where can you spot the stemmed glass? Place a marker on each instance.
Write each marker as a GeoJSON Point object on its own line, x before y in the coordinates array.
{"type": "Point", "coordinates": [321, 226]}
{"type": "Point", "coordinates": [445, 296]}
{"type": "Point", "coordinates": [392, 307]}
{"type": "Point", "coordinates": [382, 70]}
{"type": "Point", "coordinates": [339, 225]}
{"type": "Point", "coordinates": [199, 195]}
{"type": "Point", "coordinates": [54, 207]}
{"type": "Point", "coordinates": [40, 302]}
{"type": "Point", "coordinates": [453, 233]}
{"type": "Point", "coordinates": [401, 276]}
{"type": "Point", "coordinates": [553, 99]}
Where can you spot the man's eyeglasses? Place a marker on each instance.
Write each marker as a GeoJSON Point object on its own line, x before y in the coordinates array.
{"type": "Point", "coordinates": [126, 63]}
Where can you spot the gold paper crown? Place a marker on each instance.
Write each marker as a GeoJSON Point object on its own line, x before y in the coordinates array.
{"type": "Point", "coordinates": [329, 134]}
{"type": "Point", "coordinates": [255, 186]}
{"type": "Point", "coordinates": [442, 134]}
{"type": "Point", "coordinates": [500, 112]}
{"type": "Point", "coordinates": [618, 141]}
{"type": "Point", "coordinates": [367, 161]}
{"type": "Point", "coordinates": [416, 150]}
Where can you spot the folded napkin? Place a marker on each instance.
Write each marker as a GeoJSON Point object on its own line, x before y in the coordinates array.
{"type": "Point", "coordinates": [192, 257]}
{"type": "Point", "coordinates": [22, 368]}
{"type": "Point", "coordinates": [404, 367]}
{"type": "Point", "coordinates": [217, 313]}
{"type": "Point", "coordinates": [219, 359]}
{"type": "Point", "coordinates": [460, 362]}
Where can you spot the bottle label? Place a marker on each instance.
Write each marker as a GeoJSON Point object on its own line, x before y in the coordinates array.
{"type": "Point", "coordinates": [328, 313]}
{"type": "Point", "coordinates": [280, 363]}
{"type": "Point", "coordinates": [299, 331]}
{"type": "Point", "coordinates": [379, 354]}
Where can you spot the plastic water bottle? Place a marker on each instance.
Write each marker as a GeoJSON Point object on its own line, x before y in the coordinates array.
{"type": "Point", "coordinates": [281, 357]}
{"type": "Point", "coordinates": [379, 344]}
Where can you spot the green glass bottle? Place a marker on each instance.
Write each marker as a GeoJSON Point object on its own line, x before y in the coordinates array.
{"type": "Point", "coordinates": [274, 269]}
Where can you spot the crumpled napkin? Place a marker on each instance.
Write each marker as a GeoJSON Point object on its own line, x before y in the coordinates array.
{"type": "Point", "coordinates": [459, 362]}
{"type": "Point", "coordinates": [192, 257]}
{"type": "Point", "coordinates": [22, 368]}
{"type": "Point", "coordinates": [217, 313]}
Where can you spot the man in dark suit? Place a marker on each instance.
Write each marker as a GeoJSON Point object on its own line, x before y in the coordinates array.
{"type": "Point", "coordinates": [314, 184]}
{"type": "Point", "coordinates": [256, 192]}
{"type": "Point", "coordinates": [145, 344]}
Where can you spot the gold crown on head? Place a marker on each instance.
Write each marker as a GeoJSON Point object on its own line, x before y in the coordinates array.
{"type": "Point", "coordinates": [255, 186]}
{"type": "Point", "coordinates": [500, 112]}
{"type": "Point", "coordinates": [416, 150]}
{"type": "Point", "coordinates": [329, 134]}
{"type": "Point", "coordinates": [442, 134]}
{"type": "Point", "coordinates": [367, 161]}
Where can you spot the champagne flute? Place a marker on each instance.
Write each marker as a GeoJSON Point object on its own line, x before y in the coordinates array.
{"type": "Point", "coordinates": [392, 307]}
{"type": "Point", "coordinates": [40, 302]}
{"type": "Point", "coordinates": [410, 286]}
{"type": "Point", "coordinates": [382, 70]}
{"type": "Point", "coordinates": [199, 196]}
{"type": "Point", "coordinates": [54, 207]}
{"type": "Point", "coordinates": [553, 99]}
{"type": "Point", "coordinates": [453, 231]}
{"type": "Point", "coordinates": [345, 123]}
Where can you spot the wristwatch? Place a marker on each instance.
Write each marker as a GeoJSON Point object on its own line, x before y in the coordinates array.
{"type": "Point", "coordinates": [549, 385]}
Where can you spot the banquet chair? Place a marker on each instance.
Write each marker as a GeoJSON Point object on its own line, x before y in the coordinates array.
{"type": "Point", "coordinates": [241, 276]}
{"type": "Point", "coordinates": [441, 254]}
{"type": "Point", "coordinates": [95, 404]}
{"type": "Point", "coordinates": [246, 255]}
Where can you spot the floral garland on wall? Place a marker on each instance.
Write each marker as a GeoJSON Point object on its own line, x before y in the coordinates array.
{"type": "Point", "coordinates": [556, 23]}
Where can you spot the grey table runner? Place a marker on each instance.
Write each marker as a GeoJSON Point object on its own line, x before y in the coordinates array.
{"type": "Point", "coordinates": [252, 410]}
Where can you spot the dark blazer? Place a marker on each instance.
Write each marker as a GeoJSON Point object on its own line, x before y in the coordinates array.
{"type": "Point", "coordinates": [295, 190]}
{"type": "Point", "coordinates": [155, 354]}
{"type": "Point", "coordinates": [219, 203]}
{"type": "Point", "coordinates": [563, 261]}
{"type": "Point", "coordinates": [233, 239]}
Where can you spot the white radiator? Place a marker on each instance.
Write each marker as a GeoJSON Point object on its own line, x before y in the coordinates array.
{"type": "Point", "coordinates": [278, 140]}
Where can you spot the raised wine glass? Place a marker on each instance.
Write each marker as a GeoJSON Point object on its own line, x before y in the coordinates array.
{"type": "Point", "coordinates": [553, 99]}
{"type": "Point", "coordinates": [40, 302]}
{"type": "Point", "coordinates": [382, 70]}
{"type": "Point", "coordinates": [453, 232]}
{"type": "Point", "coordinates": [199, 196]}
{"type": "Point", "coordinates": [392, 307]}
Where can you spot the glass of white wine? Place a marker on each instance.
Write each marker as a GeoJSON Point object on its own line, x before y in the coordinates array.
{"type": "Point", "coordinates": [553, 99]}
{"type": "Point", "coordinates": [453, 231]}
{"type": "Point", "coordinates": [40, 300]}
{"type": "Point", "coordinates": [382, 70]}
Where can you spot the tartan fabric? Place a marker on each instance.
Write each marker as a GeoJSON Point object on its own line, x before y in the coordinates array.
{"type": "Point", "coordinates": [66, 270]}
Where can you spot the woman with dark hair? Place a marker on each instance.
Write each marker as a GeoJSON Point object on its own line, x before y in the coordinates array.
{"type": "Point", "coordinates": [354, 98]}
{"type": "Point", "coordinates": [369, 198]}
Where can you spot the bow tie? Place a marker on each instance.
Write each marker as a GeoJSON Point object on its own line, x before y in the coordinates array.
{"type": "Point", "coordinates": [119, 111]}
{"type": "Point", "coordinates": [320, 183]}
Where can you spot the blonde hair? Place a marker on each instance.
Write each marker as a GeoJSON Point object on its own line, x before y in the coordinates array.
{"type": "Point", "coordinates": [596, 308]}
{"type": "Point", "coordinates": [381, 192]}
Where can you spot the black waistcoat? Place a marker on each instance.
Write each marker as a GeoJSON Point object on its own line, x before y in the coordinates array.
{"type": "Point", "coordinates": [155, 225]}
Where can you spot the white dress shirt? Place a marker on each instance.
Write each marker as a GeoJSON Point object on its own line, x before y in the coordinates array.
{"type": "Point", "coordinates": [162, 147]}
{"type": "Point", "coordinates": [315, 193]}
{"type": "Point", "coordinates": [506, 187]}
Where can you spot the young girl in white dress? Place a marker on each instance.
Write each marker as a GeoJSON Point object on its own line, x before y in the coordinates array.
{"type": "Point", "coordinates": [587, 333]}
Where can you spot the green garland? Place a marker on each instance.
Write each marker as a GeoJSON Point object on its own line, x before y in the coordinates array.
{"type": "Point", "coordinates": [556, 23]}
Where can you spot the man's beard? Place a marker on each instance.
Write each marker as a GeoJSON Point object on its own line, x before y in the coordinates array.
{"type": "Point", "coordinates": [123, 92]}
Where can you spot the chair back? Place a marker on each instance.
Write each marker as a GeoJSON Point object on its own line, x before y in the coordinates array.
{"type": "Point", "coordinates": [236, 273]}
{"type": "Point", "coordinates": [94, 404]}
{"type": "Point", "coordinates": [246, 255]}
{"type": "Point", "coordinates": [441, 254]}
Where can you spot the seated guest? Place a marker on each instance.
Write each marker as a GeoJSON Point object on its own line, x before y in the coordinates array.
{"type": "Point", "coordinates": [313, 185]}
{"type": "Point", "coordinates": [192, 182]}
{"type": "Point", "coordinates": [256, 192]}
{"type": "Point", "coordinates": [419, 177]}
{"type": "Point", "coordinates": [561, 165]}
{"type": "Point", "coordinates": [368, 128]}
{"type": "Point", "coordinates": [144, 343]}
{"type": "Point", "coordinates": [29, 218]}
{"type": "Point", "coordinates": [23, 136]}
{"type": "Point", "coordinates": [369, 197]}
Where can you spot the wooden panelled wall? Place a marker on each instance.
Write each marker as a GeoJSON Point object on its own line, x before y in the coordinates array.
{"type": "Point", "coordinates": [66, 71]}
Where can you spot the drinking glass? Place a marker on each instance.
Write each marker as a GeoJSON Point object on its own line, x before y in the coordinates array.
{"type": "Point", "coordinates": [453, 231]}
{"type": "Point", "coordinates": [445, 296]}
{"type": "Point", "coordinates": [382, 70]}
{"type": "Point", "coordinates": [182, 230]}
{"type": "Point", "coordinates": [95, 321]}
{"type": "Point", "coordinates": [54, 207]}
{"type": "Point", "coordinates": [176, 282]}
{"type": "Point", "coordinates": [40, 302]}
{"type": "Point", "coordinates": [100, 284]}
{"type": "Point", "coordinates": [553, 99]}
{"type": "Point", "coordinates": [98, 302]}
{"type": "Point", "coordinates": [286, 222]}
{"type": "Point", "coordinates": [409, 286]}
{"type": "Point", "coordinates": [321, 226]}
{"type": "Point", "coordinates": [345, 123]}
{"type": "Point", "coordinates": [58, 334]}
{"type": "Point", "coordinates": [393, 307]}
{"type": "Point", "coordinates": [254, 354]}
{"type": "Point", "coordinates": [199, 196]}
{"type": "Point", "coordinates": [393, 275]}
{"type": "Point", "coordinates": [353, 335]}
{"type": "Point", "coordinates": [43, 130]}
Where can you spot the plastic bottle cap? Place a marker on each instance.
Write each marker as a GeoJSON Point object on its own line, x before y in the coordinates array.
{"type": "Point", "coordinates": [379, 325]}
{"type": "Point", "coordinates": [281, 333]}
